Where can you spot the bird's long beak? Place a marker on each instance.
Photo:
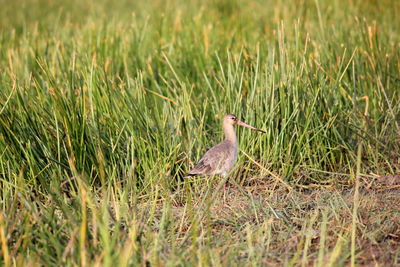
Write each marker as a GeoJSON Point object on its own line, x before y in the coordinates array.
{"type": "Point", "coordinates": [248, 126]}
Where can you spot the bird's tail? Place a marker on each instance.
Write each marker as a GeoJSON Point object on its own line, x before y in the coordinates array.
{"type": "Point", "coordinates": [189, 174]}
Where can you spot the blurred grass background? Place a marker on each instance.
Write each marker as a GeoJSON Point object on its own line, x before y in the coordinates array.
{"type": "Point", "coordinates": [104, 100]}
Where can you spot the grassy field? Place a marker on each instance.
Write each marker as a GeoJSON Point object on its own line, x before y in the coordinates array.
{"type": "Point", "coordinates": [105, 105]}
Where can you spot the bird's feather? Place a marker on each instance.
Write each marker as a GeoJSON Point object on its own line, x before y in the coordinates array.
{"type": "Point", "coordinates": [217, 160]}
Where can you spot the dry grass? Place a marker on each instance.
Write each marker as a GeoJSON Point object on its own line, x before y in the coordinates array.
{"type": "Point", "coordinates": [273, 225]}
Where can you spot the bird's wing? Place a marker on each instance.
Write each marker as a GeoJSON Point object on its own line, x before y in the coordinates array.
{"type": "Point", "coordinates": [212, 161]}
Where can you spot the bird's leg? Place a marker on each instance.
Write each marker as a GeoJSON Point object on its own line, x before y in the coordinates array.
{"type": "Point", "coordinates": [225, 176]}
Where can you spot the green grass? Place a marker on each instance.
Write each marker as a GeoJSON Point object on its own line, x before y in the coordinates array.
{"type": "Point", "coordinates": [105, 106]}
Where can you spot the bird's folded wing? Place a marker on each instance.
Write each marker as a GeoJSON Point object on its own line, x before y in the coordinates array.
{"type": "Point", "coordinates": [211, 162]}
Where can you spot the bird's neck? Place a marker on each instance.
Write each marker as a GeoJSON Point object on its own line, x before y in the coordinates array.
{"type": "Point", "coordinates": [229, 133]}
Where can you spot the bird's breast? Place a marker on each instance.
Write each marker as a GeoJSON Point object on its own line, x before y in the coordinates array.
{"type": "Point", "coordinates": [233, 156]}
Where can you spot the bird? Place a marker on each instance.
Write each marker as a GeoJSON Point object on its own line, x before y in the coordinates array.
{"type": "Point", "coordinates": [220, 159]}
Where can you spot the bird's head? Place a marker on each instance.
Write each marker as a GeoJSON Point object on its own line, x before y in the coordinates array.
{"type": "Point", "coordinates": [232, 120]}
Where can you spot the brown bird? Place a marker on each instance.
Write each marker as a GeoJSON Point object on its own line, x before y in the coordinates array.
{"type": "Point", "coordinates": [221, 158]}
